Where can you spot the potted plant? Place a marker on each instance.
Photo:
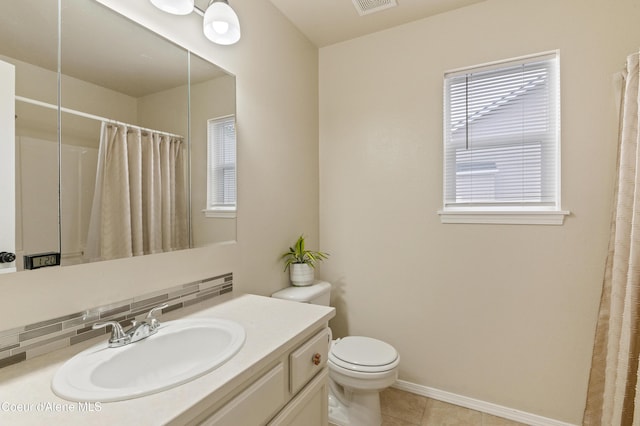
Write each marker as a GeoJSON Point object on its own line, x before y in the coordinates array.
{"type": "Point", "coordinates": [301, 263]}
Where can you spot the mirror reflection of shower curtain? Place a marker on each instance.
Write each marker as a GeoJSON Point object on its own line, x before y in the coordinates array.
{"type": "Point", "coordinates": [139, 204]}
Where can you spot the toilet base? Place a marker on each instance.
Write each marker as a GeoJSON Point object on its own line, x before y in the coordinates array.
{"type": "Point", "coordinates": [348, 408]}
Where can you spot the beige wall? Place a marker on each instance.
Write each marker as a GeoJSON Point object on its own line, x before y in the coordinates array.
{"type": "Point", "coordinates": [504, 314]}
{"type": "Point", "coordinates": [277, 114]}
{"type": "Point", "coordinates": [165, 111]}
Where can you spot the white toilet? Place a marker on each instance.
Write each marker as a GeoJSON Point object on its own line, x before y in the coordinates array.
{"type": "Point", "coordinates": [359, 367]}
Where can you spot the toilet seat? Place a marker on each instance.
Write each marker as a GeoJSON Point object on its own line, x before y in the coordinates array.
{"type": "Point", "coordinates": [363, 354]}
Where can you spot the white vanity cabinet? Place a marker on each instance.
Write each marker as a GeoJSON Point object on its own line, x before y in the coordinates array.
{"type": "Point", "coordinates": [278, 378]}
{"type": "Point", "coordinates": [292, 390]}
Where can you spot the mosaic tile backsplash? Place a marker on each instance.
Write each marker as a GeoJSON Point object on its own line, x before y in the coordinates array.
{"type": "Point", "coordinates": [22, 343]}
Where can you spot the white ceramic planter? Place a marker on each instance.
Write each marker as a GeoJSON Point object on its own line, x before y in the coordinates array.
{"type": "Point", "coordinates": [301, 274]}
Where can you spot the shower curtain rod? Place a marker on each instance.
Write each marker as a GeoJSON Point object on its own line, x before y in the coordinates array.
{"type": "Point", "coordinates": [91, 116]}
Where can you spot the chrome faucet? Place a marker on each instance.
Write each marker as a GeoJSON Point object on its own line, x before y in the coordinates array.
{"type": "Point", "coordinates": [138, 330]}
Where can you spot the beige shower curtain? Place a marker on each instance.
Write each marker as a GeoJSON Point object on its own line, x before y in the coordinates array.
{"type": "Point", "coordinates": [613, 398]}
{"type": "Point", "coordinates": [139, 204]}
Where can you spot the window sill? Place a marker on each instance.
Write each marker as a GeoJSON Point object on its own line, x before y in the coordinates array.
{"type": "Point", "coordinates": [504, 217]}
{"type": "Point", "coordinates": [220, 214]}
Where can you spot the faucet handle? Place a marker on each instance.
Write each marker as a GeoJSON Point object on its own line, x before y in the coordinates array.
{"type": "Point", "coordinates": [151, 319]}
{"type": "Point", "coordinates": [156, 309]}
{"type": "Point", "coordinates": [117, 333]}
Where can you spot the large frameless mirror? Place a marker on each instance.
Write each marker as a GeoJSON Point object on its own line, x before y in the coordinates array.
{"type": "Point", "coordinates": [121, 169]}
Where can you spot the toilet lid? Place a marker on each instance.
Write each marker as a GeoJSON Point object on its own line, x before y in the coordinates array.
{"type": "Point", "coordinates": [364, 351]}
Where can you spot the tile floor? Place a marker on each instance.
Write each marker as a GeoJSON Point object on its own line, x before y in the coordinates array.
{"type": "Point", "coordinates": [400, 408]}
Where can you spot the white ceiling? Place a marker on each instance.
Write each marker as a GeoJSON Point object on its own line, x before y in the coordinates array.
{"type": "Point", "coordinates": [327, 22]}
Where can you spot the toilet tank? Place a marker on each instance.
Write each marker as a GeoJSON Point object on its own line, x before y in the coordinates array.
{"type": "Point", "coordinates": [318, 293]}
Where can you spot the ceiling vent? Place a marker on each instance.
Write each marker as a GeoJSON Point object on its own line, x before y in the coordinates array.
{"type": "Point", "coordinates": [365, 7]}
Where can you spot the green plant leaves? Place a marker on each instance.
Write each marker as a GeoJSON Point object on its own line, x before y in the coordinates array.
{"type": "Point", "coordinates": [298, 254]}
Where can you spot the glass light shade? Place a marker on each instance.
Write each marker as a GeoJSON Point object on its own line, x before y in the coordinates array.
{"type": "Point", "coordinates": [221, 23]}
{"type": "Point", "coordinates": [175, 7]}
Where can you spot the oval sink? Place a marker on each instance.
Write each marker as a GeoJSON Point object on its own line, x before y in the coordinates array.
{"type": "Point", "coordinates": [180, 351]}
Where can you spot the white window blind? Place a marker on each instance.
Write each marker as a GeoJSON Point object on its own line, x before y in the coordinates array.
{"type": "Point", "coordinates": [221, 185]}
{"type": "Point", "coordinates": [501, 136]}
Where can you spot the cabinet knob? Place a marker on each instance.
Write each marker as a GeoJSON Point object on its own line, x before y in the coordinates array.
{"type": "Point", "coordinates": [316, 359]}
{"type": "Point", "coordinates": [7, 257]}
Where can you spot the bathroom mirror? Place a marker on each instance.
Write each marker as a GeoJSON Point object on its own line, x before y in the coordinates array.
{"type": "Point", "coordinates": [112, 70]}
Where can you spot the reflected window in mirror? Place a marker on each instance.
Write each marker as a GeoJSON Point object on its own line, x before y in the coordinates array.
{"type": "Point", "coordinates": [221, 167]}
{"type": "Point", "coordinates": [212, 96]}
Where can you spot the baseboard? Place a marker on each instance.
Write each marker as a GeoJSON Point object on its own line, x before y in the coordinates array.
{"type": "Point", "coordinates": [482, 406]}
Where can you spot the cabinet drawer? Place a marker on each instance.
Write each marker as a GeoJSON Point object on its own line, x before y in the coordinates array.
{"type": "Point", "coordinates": [306, 361]}
{"type": "Point", "coordinates": [256, 404]}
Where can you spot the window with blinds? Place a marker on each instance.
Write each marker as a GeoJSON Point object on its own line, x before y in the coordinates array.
{"type": "Point", "coordinates": [221, 176]}
{"type": "Point", "coordinates": [501, 136]}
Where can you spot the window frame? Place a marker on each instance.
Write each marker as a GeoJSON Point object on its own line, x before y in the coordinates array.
{"type": "Point", "coordinates": [489, 213]}
{"type": "Point", "coordinates": [212, 210]}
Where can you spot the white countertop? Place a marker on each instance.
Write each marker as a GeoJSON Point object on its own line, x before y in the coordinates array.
{"type": "Point", "coordinates": [270, 325]}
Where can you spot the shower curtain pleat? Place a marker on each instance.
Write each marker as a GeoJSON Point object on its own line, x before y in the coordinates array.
{"type": "Point", "coordinates": [140, 198]}
{"type": "Point", "coordinates": [180, 227]}
{"type": "Point", "coordinates": [134, 149]}
{"type": "Point", "coordinates": [165, 201]}
{"type": "Point", "coordinates": [116, 202]}
{"type": "Point", "coordinates": [154, 213]}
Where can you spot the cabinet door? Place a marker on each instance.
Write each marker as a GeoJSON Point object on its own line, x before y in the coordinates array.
{"type": "Point", "coordinates": [256, 404]}
{"type": "Point", "coordinates": [310, 407]}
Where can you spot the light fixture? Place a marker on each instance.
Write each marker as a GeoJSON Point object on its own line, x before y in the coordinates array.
{"type": "Point", "coordinates": [221, 23]}
{"type": "Point", "coordinates": [175, 7]}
